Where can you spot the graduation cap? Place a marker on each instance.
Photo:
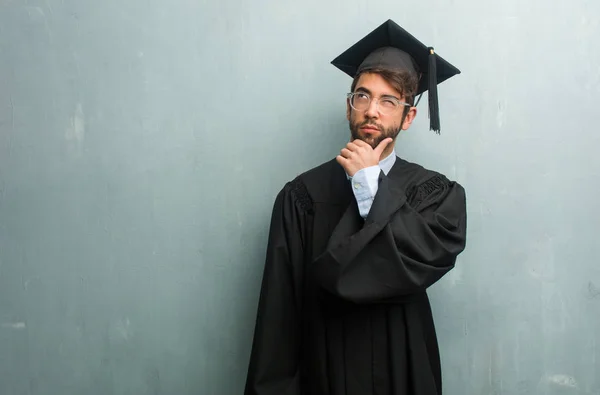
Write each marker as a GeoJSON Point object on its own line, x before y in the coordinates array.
{"type": "Point", "coordinates": [391, 47]}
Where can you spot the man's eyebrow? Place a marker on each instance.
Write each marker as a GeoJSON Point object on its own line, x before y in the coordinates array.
{"type": "Point", "coordinates": [392, 96]}
{"type": "Point", "coordinates": [365, 90]}
{"type": "Point", "coordinates": [361, 89]}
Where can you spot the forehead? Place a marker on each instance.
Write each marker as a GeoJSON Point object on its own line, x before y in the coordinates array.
{"type": "Point", "coordinates": [377, 85]}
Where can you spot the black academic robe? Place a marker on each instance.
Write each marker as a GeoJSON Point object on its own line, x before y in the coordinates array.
{"type": "Point", "coordinates": [343, 308]}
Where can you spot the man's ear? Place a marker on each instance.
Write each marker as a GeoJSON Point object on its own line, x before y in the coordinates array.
{"type": "Point", "coordinates": [410, 117]}
{"type": "Point", "coordinates": [348, 109]}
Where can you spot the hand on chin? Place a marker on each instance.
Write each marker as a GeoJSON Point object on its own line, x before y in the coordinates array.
{"type": "Point", "coordinates": [369, 138]}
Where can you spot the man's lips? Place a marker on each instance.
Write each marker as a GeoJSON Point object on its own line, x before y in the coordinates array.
{"type": "Point", "coordinates": [369, 129]}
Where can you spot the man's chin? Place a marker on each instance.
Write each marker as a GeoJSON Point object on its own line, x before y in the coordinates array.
{"type": "Point", "coordinates": [373, 141]}
{"type": "Point", "coordinates": [367, 138]}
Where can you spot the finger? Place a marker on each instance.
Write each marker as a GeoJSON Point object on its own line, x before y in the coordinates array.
{"type": "Point", "coordinates": [352, 146]}
{"type": "Point", "coordinates": [341, 160]}
{"type": "Point", "coordinates": [360, 143]}
{"type": "Point", "coordinates": [345, 153]}
{"type": "Point", "coordinates": [379, 149]}
{"type": "Point", "coordinates": [362, 147]}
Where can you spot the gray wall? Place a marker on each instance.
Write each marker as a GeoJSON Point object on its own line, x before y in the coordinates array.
{"type": "Point", "coordinates": [142, 144]}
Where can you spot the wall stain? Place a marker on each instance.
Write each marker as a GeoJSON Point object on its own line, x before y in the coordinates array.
{"type": "Point", "coordinates": [593, 291]}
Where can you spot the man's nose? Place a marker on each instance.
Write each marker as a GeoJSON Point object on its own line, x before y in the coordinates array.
{"type": "Point", "coordinates": [372, 111]}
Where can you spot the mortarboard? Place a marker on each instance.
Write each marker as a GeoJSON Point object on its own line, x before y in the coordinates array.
{"type": "Point", "coordinates": [390, 46]}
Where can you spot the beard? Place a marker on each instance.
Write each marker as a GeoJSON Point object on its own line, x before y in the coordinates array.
{"type": "Point", "coordinates": [373, 141]}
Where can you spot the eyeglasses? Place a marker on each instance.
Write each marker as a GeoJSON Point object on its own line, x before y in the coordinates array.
{"type": "Point", "coordinates": [386, 105]}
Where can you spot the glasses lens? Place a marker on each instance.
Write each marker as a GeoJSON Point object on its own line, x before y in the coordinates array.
{"type": "Point", "coordinates": [387, 106]}
{"type": "Point", "coordinates": [360, 101]}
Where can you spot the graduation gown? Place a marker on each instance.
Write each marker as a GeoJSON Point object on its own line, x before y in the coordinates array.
{"type": "Point", "coordinates": [343, 308]}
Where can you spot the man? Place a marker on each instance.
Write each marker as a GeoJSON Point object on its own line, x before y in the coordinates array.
{"type": "Point", "coordinates": [355, 243]}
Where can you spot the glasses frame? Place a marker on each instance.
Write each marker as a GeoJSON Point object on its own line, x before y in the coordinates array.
{"type": "Point", "coordinates": [399, 103]}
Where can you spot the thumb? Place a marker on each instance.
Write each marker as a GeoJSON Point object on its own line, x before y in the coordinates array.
{"type": "Point", "coordinates": [379, 149]}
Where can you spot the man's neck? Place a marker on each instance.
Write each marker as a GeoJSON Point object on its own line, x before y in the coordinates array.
{"type": "Point", "coordinates": [387, 152]}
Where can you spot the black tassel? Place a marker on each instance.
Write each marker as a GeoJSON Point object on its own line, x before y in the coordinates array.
{"type": "Point", "coordinates": [434, 110]}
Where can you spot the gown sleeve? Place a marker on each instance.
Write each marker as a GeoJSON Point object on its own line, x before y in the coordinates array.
{"type": "Point", "coordinates": [406, 244]}
{"type": "Point", "coordinates": [274, 359]}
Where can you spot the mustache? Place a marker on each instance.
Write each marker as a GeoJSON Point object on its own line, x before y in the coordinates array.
{"type": "Point", "coordinates": [369, 123]}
